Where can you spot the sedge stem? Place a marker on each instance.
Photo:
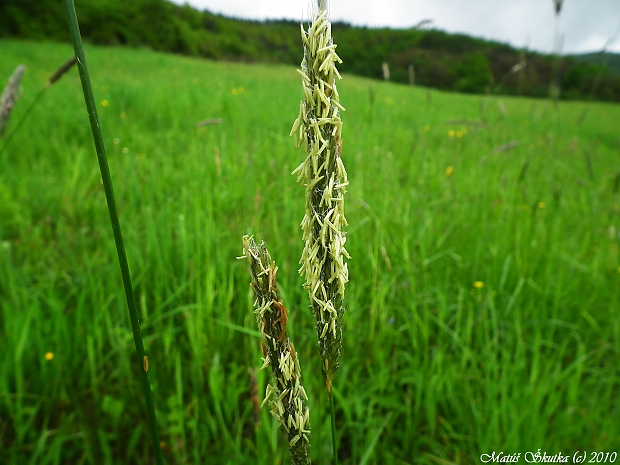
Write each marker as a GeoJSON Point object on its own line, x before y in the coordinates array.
{"type": "Point", "coordinates": [141, 362]}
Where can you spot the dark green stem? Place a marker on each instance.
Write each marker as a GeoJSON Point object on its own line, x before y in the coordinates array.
{"type": "Point", "coordinates": [333, 415]}
{"type": "Point", "coordinates": [141, 363]}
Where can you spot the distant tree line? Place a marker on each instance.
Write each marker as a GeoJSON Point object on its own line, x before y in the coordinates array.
{"type": "Point", "coordinates": [441, 60]}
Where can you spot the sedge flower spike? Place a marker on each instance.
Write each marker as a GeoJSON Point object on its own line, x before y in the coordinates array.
{"type": "Point", "coordinates": [286, 396]}
{"type": "Point", "coordinates": [319, 128]}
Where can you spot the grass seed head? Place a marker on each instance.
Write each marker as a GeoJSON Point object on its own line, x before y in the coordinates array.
{"type": "Point", "coordinates": [9, 97]}
{"type": "Point", "coordinates": [62, 69]}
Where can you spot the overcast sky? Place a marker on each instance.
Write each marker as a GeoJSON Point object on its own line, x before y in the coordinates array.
{"type": "Point", "coordinates": [585, 24]}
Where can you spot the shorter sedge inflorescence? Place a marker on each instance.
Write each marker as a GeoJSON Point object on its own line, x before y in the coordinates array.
{"type": "Point", "coordinates": [286, 396]}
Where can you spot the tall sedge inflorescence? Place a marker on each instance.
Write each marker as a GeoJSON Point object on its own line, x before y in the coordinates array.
{"type": "Point", "coordinates": [286, 396]}
{"type": "Point", "coordinates": [319, 128]}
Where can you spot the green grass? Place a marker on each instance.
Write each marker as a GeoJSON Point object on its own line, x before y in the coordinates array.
{"type": "Point", "coordinates": [434, 370]}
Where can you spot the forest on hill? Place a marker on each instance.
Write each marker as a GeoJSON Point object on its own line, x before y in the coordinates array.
{"type": "Point", "coordinates": [441, 60]}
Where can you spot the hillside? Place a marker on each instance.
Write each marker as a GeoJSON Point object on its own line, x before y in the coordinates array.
{"type": "Point", "coordinates": [609, 60]}
{"type": "Point", "coordinates": [441, 60]}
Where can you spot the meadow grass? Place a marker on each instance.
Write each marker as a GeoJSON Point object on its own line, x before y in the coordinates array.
{"type": "Point", "coordinates": [435, 369]}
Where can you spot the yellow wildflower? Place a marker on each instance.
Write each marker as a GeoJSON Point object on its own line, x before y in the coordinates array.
{"type": "Point", "coordinates": [542, 204]}
{"type": "Point", "coordinates": [449, 171]}
{"type": "Point", "coordinates": [451, 132]}
{"type": "Point", "coordinates": [478, 284]}
{"type": "Point", "coordinates": [104, 103]}
{"type": "Point", "coordinates": [49, 356]}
